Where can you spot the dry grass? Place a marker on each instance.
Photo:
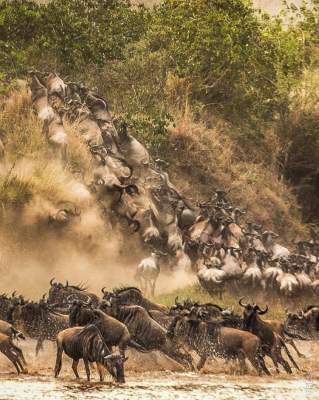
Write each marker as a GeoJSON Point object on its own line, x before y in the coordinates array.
{"type": "Point", "coordinates": [207, 158]}
{"type": "Point", "coordinates": [31, 167]}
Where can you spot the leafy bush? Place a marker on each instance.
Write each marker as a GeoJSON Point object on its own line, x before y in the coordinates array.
{"type": "Point", "coordinates": [68, 34]}
{"type": "Point", "coordinates": [234, 61]}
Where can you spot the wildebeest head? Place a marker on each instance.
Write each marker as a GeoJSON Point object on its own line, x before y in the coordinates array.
{"type": "Point", "coordinates": [268, 237]}
{"type": "Point", "coordinates": [59, 293]}
{"type": "Point", "coordinates": [176, 308]}
{"type": "Point", "coordinates": [294, 319]}
{"type": "Point", "coordinates": [80, 312]}
{"type": "Point", "coordinates": [251, 312]}
{"type": "Point", "coordinates": [114, 363]}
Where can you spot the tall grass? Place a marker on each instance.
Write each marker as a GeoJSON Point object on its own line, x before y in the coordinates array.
{"type": "Point", "coordinates": [205, 157]}
{"type": "Point", "coordinates": [31, 168]}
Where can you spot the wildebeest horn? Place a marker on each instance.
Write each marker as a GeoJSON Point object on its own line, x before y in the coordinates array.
{"type": "Point", "coordinates": [109, 357]}
{"type": "Point", "coordinates": [51, 281]}
{"type": "Point", "coordinates": [14, 293]}
{"type": "Point", "coordinates": [240, 302]}
{"type": "Point", "coordinates": [103, 290]}
{"type": "Point", "coordinates": [43, 297]}
{"type": "Point", "coordinates": [262, 312]}
{"type": "Point", "coordinates": [115, 356]}
{"type": "Point", "coordinates": [106, 303]}
{"type": "Point", "coordinates": [160, 253]}
{"type": "Point", "coordinates": [66, 284]}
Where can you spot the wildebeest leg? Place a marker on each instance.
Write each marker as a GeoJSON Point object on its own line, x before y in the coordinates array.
{"type": "Point", "coordinates": [20, 353]}
{"type": "Point", "coordinates": [183, 359]}
{"type": "Point", "coordinates": [75, 364]}
{"type": "Point", "coordinates": [12, 358]}
{"type": "Point", "coordinates": [201, 362]}
{"type": "Point", "coordinates": [279, 359]}
{"type": "Point", "coordinates": [242, 363]}
{"type": "Point", "coordinates": [290, 356]}
{"type": "Point", "coordinates": [122, 348]}
{"type": "Point", "coordinates": [20, 365]}
{"type": "Point", "coordinates": [143, 285]}
{"type": "Point", "coordinates": [262, 364]}
{"type": "Point", "coordinates": [153, 286]}
{"type": "Point", "coordinates": [39, 346]}
{"type": "Point", "coordinates": [17, 359]}
{"type": "Point", "coordinates": [148, 287]}
{"type": "Point", "coordinates": [293, 345]}
{"type": "Point", "coordinates": [100, 369]}
{"type": "Point", "coordinates": [58, 363]}
{"type": "Point", "coordinates": [87, 368]}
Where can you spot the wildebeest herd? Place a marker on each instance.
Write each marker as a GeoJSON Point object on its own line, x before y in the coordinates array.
{"type": "Point", "coordinates": [92, 328]}
{"type": "Point", "coordinates": [210, 238]}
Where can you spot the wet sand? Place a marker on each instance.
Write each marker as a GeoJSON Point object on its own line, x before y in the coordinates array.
{"type": "Point", "coordinates": [147, 377]}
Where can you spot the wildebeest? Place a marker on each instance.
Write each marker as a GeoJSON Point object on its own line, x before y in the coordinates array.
{"type": "Point", "coordinates": [7, 329]}
{"type": "Point", "coordinates": [5, 303]}
{"type": "Point", "coordinates": [133, 295]}
{"type": "Point", "coordinates": [38, 322]}
{"type": "Point", "coordinates": [88, 344]}
{"type": "Point", "coordinates": [305, 322]}
{"type": "Point", "coordinates": [40, 100]}
{"type": "Point", "coordinates": [59, 294]}
{"type": "Point", "coordinates": [276, 250]}
{"type": "Point", "coordinates": [210, 339]}
{"type": "Point", "coordinates": [271, 343]}
{"type": "Point", "coordinates": [114, 332]}
{"type": "Point", "coordinates": [12, 352]}
{"type": "Point", "coordinates": [147, 272]}
{"type": "Point", "coordinates": [146, 331]}
{"type": "Point", "coordinates": [281, 329]}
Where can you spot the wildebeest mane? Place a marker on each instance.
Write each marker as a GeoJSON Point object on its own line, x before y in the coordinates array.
{"type": "Point", "coordinates": [213, 329]}
{"type": "Point", "coordinates": [93, 343]}
{"type": "Point", "coordinates": [122, 289]}
{"type": "Point", "coordinates": [80, 287]}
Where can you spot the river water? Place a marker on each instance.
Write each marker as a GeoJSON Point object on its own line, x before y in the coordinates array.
{"type": "Point", "coordinates": [162, 387]}
{"type": "Point", "coordinates": [147, 377]}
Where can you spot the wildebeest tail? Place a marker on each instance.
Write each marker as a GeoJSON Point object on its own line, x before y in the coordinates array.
{"type": "Point", "coordinates": [137, 346]}
{"type": "Point", "coordinates": [17, 334]}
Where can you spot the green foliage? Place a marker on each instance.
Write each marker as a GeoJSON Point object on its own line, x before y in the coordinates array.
{"type": "Point", "coordinates": [152, 131]}
{"type": "Point", "coordinates": [68, 34]}
{"type": "Point", "coordinates": [233, 60]}
{"type": "Point", "coordinates": [82, 32]}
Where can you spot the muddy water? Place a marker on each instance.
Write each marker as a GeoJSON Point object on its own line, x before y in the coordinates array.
{"type": "Point", "coordinates": [163, 386]}
{"type": "Point", "coordinates": [147, 378]}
